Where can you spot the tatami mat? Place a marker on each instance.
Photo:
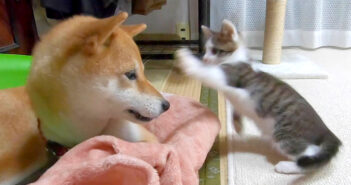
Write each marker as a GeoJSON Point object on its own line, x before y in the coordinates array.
{"type": "Point", "coordinates": [167, 79]}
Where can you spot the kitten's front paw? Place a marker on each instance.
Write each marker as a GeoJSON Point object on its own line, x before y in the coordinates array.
{"type": "Point", "coordinates": [186, 62]}
{"type": "Point", "coordinates": [183, 53]}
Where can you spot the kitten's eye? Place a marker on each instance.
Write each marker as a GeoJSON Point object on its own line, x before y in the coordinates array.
{"type": "Point", "coordinates": [131, 75]}
{"type": "Point", "coordinates": [214, 50]}
{"type": "Point", "coordinates": [218, 51]}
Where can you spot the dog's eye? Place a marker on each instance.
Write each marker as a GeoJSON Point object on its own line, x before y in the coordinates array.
{"type": "Point", "coordinates": [131, 75]}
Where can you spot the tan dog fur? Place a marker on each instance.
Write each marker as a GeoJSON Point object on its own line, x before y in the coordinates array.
{"type": "Point", "coordinates": [77, 88]}
{"type": "Point", "coordinates": [21, 146]}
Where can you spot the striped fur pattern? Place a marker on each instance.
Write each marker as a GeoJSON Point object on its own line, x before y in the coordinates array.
{"type": "Point", "coordinates": [280, 112]}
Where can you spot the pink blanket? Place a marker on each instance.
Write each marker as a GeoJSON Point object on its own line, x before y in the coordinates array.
{"type": "Point", "coordinates": [186, 133]}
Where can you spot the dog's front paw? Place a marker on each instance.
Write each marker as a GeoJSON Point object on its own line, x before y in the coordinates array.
{"type": "Point", "coordinates": [186, 61]}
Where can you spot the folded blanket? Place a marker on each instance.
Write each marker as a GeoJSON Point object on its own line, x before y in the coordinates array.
{"type": "Point", "coordinates": [186, 133]}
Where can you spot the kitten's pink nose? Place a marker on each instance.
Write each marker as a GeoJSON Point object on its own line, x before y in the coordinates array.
{"type": "Point", "coordinates": [206, 60]}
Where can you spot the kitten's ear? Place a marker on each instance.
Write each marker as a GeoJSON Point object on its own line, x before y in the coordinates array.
{"type": "Point", "coordinates": [228, 28]}
{"type": "Point", "coordinates": [206, 31]}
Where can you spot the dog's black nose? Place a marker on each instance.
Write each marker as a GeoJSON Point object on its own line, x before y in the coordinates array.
{"type": "Point", "coordinates": [165, 105]}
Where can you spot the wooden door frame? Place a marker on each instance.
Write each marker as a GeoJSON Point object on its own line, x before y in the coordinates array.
{"type": "Point", "coordinates": [23, 27]}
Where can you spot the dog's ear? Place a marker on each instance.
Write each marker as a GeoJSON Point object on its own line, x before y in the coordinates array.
{"type": "Point", "coordinates": [108, 25]}
{"type": "Point", "coordinates": [133, 30]}
{"type": "Point", "coordinates": [102, 32]}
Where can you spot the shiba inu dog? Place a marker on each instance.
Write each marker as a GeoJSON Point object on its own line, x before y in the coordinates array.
{"type": "Point", "coordinates": [86, 80]}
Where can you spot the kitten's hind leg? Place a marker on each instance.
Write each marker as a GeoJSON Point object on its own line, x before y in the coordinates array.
{"type": "Point", "coordinates": [288, 167]}
{"type": "Point", "coordinates": [238, 122]}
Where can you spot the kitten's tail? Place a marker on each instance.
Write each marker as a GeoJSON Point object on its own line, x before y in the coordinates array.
{"type": "Point", "coordinates": [328, 149]}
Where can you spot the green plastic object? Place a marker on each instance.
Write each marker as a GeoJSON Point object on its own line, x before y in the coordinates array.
{"type": "Point", "coordinates": [14, 70]}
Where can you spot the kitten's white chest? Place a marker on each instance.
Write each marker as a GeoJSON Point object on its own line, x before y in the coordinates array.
{"type": "Point", "coordinates": [240, 98]}
{"type": "Point", "coordinates": [246, 106]}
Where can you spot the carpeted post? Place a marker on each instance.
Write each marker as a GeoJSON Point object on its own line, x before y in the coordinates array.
{"type": "Point", "coordinates": [274, 30]}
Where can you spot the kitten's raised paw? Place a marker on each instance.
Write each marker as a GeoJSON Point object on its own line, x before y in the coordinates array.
{"type": "Point", "coordinates": [186, 62]}
{"type": "Point", "coordinates": [287, 167]}
{"type": "Point", "coordinates": [183, 53]}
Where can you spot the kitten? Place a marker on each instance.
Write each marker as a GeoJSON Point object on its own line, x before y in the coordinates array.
{"type": "Point", "coordinates": [281, 114]}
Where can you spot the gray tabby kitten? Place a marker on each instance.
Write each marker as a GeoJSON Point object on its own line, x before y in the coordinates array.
{"type": "Point", "coordinates": [281, 114]}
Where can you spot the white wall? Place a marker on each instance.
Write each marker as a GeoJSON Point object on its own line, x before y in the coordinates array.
{"type": "Point", "coordinates": [165, 20]}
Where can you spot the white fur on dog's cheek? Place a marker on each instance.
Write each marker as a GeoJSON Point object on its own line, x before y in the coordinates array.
{"type": "Point", "coordinates": [112, 86]}
{"type": "Point", "coordinates": [131, 98]}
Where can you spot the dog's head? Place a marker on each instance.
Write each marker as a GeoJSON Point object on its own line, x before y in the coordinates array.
{"type": "Point", "coordinates": [95, 66]}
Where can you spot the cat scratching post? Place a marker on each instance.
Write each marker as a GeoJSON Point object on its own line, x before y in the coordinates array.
{"type": "Point", "coordinates": [273, 34]}
{"type": "Point", "coordinates": [288, 66]}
